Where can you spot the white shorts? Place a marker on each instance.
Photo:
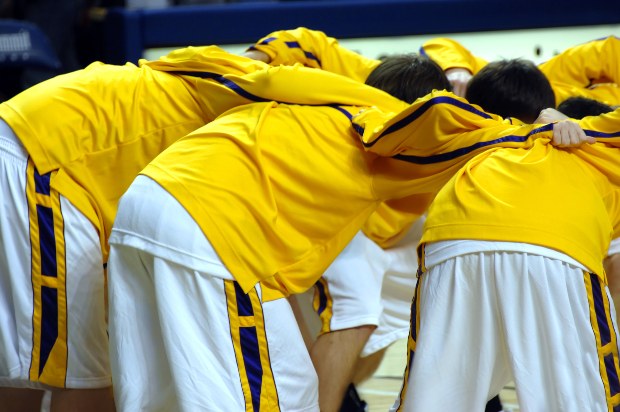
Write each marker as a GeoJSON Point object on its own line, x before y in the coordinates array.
{"type": "Point", "coordinates": [184, 336]}
{"type": "Point", "coordinates": [367, 285]}
{"type": "Point", "coordinates": [349, 292]}
{"type": "Point", "coordinates": [52, 283]}
{"type": "Point", "coordinates": [486, 317]}
{"type": "Point", "coordinates": [397, 291]}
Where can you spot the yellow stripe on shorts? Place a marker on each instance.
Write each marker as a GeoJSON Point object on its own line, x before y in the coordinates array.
{"type": "Point", "coordinates": [605, 335]}
{"type": "Point", "coordinates": [247, 329]}
{"type": "Point", "coordinates": [414, 329]}
{"type": "Point", "coordinates": [322, 304]}
{"type": "Point", "coordinates": [49, 318]}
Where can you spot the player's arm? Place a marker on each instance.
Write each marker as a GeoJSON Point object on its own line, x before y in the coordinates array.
{"type": "Point", "coordinates": [257, 55]}
{"type": "Point", "coordinates": [458, 63]}
{"type": "Point", "coordinates": [210, 60]}
{"type": "Point", "coordinates": [566, 133]}
{"type": "Point", "coordinates": [605, 128]}
{"type": "Point", "coordinates": [442, 128]}
{"type": "Point", "coordinates": [439, 124]}
{"type": "Point", "coordinates": [313, 48]}
{"type": "Point", "coordinates": [550, 115]}
{"type": "Point", "coordinates": [593, 62]}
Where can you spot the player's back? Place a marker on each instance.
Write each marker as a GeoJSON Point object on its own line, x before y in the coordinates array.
{"type": "Point", "coordinates": [278, 189]}
{"type": "Point", "coordinates": [543, 196]}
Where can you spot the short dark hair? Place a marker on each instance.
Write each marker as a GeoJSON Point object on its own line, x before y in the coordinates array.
{"type": "Point", "coordinates": [579, 107]}
{"type": "Point", "coordinates": [511, 88]}
{"type": "Point", "coordinates": [408, 76]}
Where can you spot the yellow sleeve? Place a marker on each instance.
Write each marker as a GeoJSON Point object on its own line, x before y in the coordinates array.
{"type": "Point", "coordinates": [315, 49]}
{"type": "Point", "coordinates": [289, 84]}
{"type": "Point", "coordinates": [440, 125]}
{"type": "Point", "coordinates": [257, 81]}
{"type": "Point", "coordinates": [605, 92]}
{"type": "Point", "coordinates": [449, 54]}
{"type": "Point", "coordinates": [204, 59]}
{"type": "Point", "coordinates": [578, 70]}
{"type": "Point", "coordinates": [593, 62]}
{"type": "Point", "coordinates": [605, 127]}
{"type": "Point", "coordinates": [420, 148]}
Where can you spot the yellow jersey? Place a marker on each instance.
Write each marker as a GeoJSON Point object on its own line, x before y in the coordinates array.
{"type": "Point", "coordinates": [563, 199]}
{"type": "Point", "coordinates": [98, 127]}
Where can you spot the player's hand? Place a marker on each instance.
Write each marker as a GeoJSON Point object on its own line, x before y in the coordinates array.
{"type": "Point", "coordinates": [459, 79]}
{"type": "Point", "coordinates": [257, 55]}
{"type": "Point", "coordinates": [567, 133]}
{"type": "Point", "coordinates": [550, 115]}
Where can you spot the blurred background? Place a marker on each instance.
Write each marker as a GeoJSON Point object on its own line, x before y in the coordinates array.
{"type": "Point", "coordinates": [43, 38]}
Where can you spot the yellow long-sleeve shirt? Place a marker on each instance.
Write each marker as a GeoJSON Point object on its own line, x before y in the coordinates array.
{"type": "Point", "coordinates": [279, 190]}
{"type": "Point", "coordinates": [99, 127]}
{"type": "Point", "coordinates": [588, 70]}
{"type": "Point", "coordinates": [564, 199]}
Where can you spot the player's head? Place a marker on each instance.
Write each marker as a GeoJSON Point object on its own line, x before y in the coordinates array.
{"type": "Point", "coordinates": [511, 88]}
{"type": "Point", "coordinates": [580, 107]}
{"type": "Point", "coordinates": [408, 76]}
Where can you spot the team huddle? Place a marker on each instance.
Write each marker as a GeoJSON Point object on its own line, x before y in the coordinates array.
{"type": "Point", "coordinates": [159, 219]}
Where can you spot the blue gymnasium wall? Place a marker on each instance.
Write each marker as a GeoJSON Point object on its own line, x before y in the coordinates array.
{"type": "Point", "coordinates": [130, 32]}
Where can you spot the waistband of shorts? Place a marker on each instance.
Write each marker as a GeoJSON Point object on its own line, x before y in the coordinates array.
{"type": "Point", "coordinates": [437, 252]}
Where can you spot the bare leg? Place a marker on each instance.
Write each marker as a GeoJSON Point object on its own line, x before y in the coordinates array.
{"type": "Point", "coordinates": [612, 269]}
{"type": "Point", "coordinates": [366, 367]}
{"type": "Point", "coordinates": [21, 399]}
{"type": "Point", "coordinates": [335, 355]}
{"type": "Point", "coordinates": [301, 321]}
{"type": "Point", "coordinates": [78, 400]}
